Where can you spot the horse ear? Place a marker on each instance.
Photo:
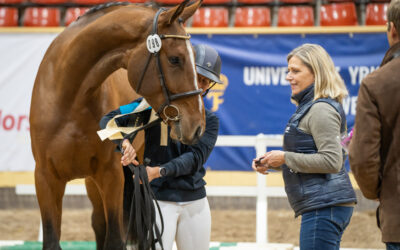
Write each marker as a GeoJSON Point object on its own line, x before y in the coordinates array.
{"type": "Point", "coordinates": [172, 14]}
{"type": "Point", "coordinates": [190, 10]}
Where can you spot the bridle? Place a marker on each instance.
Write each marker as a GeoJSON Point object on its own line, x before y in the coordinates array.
{"type": "Point", "coordinates": [154, 47]}
{"type": "Point", "coordinates": [143, 196]}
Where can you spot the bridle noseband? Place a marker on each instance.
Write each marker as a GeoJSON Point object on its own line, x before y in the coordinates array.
{"type": "Point", "coordinates": [154, 47]}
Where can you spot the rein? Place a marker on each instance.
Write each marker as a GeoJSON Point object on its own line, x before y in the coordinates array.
{"type": "Point", "coordinates": [154, 47]}
{"type": "Point", "coordinates": [142, 212]}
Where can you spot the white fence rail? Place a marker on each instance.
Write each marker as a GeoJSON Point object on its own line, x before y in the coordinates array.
{"type": "Point", "coordinates": [260, 142]}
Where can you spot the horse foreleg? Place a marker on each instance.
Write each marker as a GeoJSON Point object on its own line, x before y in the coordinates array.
{"type": "Point", "coordinates": [98, 217]}
{"type": "Point", "coordinates": [110, 184]}
{"type": "Point", "coordinates": [49, 192]}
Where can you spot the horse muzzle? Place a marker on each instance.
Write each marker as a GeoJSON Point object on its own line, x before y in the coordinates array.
{"type": "Point", "coordinates": [188, 136]}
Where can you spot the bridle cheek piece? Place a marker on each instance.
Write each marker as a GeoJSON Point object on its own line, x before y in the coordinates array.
{"type": "Point", "coordinates": [154, 44]}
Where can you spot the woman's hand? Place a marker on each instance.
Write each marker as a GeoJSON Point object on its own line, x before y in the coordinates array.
{"type": "Point", "coordinates": [129, 155]}
{"type": "Point", "coordinates": [153, 172]}
{"type": "Point", "coordinates": [260, 165]}
{"type": "Point", "coordinates": [275, 158]}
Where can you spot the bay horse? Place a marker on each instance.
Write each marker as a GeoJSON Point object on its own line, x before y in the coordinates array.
{"type": "Point", "coordinates": [90, 68]}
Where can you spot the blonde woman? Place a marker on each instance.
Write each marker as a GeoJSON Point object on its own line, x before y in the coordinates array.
{"type": "Point", "coordinates": [312, 160]}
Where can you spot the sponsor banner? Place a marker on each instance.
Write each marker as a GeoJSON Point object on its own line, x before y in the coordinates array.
{"type": "Point", "coordinates": [20, 57]}
{"type": "Point", "coordinates": [255, 97]}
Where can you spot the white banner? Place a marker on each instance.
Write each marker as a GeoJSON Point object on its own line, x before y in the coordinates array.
{"type": "Point", "coordinates": [20, 57]}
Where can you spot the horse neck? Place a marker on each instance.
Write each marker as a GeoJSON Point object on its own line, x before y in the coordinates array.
{"type": "Point", "coordinates": [94, 53]}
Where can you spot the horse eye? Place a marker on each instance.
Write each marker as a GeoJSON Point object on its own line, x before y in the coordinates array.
{"type": "Point", "coordinates": [174, 60]}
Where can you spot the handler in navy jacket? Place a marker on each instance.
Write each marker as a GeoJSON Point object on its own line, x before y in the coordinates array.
{"type": "Point", "coordinates": [177, 171]}
{"type": "Point", "coordinates": [312, 160]}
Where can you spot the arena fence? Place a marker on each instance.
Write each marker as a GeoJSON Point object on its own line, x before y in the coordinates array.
{"type": "Point", "coordinates": [260, 142]}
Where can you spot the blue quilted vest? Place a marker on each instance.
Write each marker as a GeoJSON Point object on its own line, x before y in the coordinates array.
{"type": "Point", "coordinates": [305, 191]}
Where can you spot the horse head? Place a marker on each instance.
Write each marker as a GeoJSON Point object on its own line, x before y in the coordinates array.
{"type": "Point", "coordinates": [170, 69]}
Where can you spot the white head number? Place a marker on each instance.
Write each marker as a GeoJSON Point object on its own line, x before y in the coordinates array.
{"type": "Point", "coordinates": [153, 43]}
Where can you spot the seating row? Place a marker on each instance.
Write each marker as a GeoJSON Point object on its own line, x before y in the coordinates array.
{"type": "Point", "coordinates": [210, 2]}
{"type": "Point", "coordinates": [338, 14]}
{"type": "Point", "coordinates": [170, 2]}
{"type": "Point", "coordinates": [39, 17]}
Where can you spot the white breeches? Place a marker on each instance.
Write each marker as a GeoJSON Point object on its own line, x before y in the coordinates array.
{"type": "Point", "coordinates": [188, 223]}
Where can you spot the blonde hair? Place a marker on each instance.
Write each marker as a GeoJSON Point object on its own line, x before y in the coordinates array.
{"type": "Point", "coordinates": [328, 82]}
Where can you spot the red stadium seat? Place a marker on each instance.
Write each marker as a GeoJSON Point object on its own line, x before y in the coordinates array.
{"type": "Point", "coordinates": [134, 1]}
{"type": "Point", "coordinates": [207, 2]}
{"type": "Point", "coordinates": [41, 17]}
{"type": "Point", "coordinates": [340, 1]}
{"type": "Point", "coordinates": [168, 1]}
{"type": "Point", "coordinates": [10, 1]}
{"type": "Point", "coordinates": [210, 2]}
{"type": "Point", "coordinates": [72, 14]}
{"type": "Point", "coordinates": [254, 1]}
{"type": "Point", "coordinates": [49, 1]}
{"type": "Point", "coordinates": [252, 17]}
{"type": "Point", "coordinates": [376, 14]}
{"type": "Point", "coordinates": [8, 17]}
{"type": "Point", "coordinates": [295, 1]}
{"type": "Point", "coordinates": [295, 16]}
{"type": "Point", "coordinates": [210, 17]}
{"type": "Point", "coordinates": [338, 14]}
{"type": "Point", "coordinates": [89, 2]}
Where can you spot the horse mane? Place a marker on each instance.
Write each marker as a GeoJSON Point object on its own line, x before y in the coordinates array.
{"type": "Point", "coordinates": [104, 6]}
{"type": "Point", "coordinates": [112, 4]}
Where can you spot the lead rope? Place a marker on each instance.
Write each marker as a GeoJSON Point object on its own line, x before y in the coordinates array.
{"type": "Point", "coordinates": [145, 231]}
{"type": "Point", "coordinates": [142, 215]}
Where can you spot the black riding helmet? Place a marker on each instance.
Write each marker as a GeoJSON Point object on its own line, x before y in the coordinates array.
{"type": "Point", "coordinates": [208, 62]}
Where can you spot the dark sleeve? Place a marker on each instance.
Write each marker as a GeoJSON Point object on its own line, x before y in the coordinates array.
{"type": "Point", "coordinates": [365, 146]}
{"type": "Point", "coordinates": [123, 121]}
{"type": "Point", "coordinates": [105, 119]}
{"type": "Point", "coordinates": [196, 155]}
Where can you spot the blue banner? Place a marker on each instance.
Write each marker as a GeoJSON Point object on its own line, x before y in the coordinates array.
{"type": "Point", "coordinates": [255, 97]}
